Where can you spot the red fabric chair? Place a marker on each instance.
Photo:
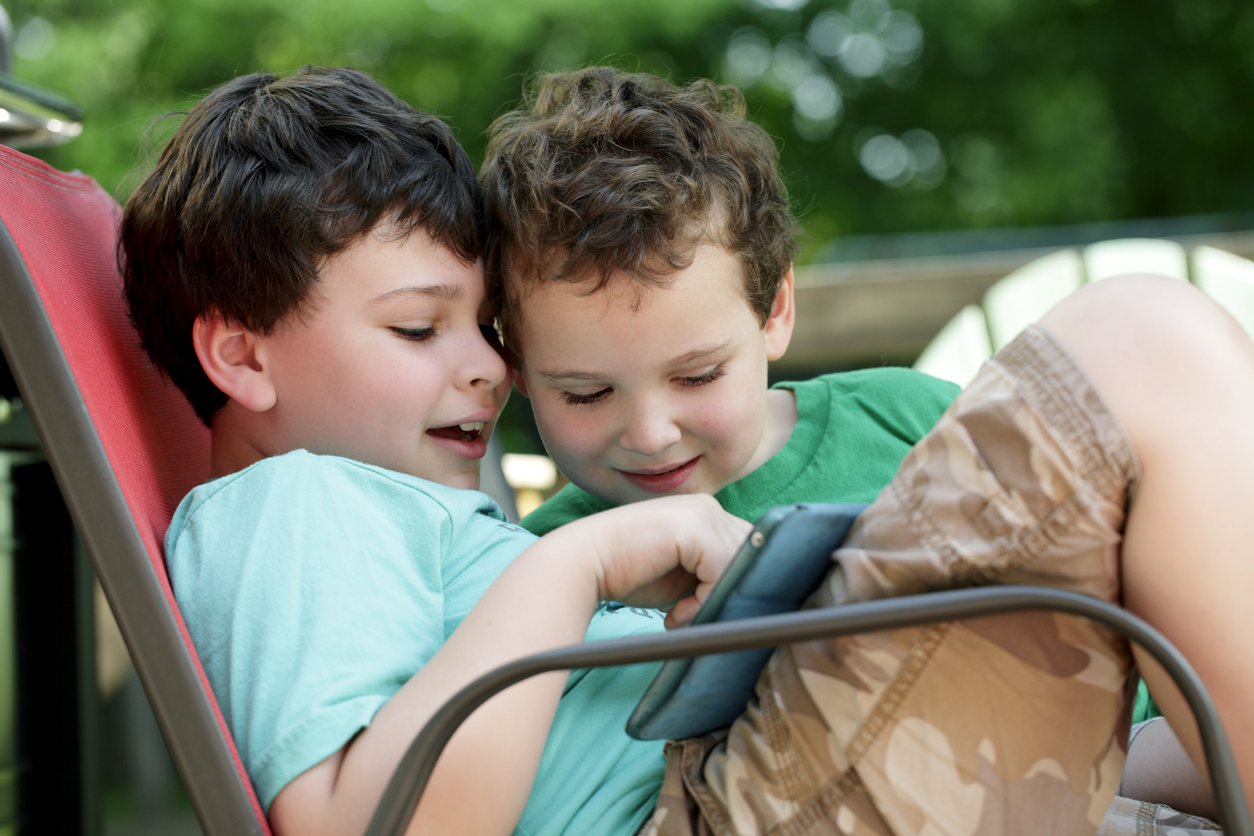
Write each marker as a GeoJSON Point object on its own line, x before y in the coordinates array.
{"type": "Point", "coordinates": [125, 447]}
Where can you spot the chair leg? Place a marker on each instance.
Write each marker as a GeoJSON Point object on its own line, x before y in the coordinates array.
{"type": "Point", "coordinates": [56, 682]}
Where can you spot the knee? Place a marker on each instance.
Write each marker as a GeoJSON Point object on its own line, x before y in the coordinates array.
{"type": "Point", "coordinates": [1144, 319]}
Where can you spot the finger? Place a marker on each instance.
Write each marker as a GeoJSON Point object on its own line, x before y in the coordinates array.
{"type": "Point", "coordinates": [703, 590]}
{"type": "Point", "coordinates": [663, 592]}
{"type": "Point", "coordinates": [683, 612]}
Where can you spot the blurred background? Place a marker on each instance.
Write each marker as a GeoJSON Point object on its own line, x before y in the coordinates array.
{"type": "Point", "coordinates": [907, 128]}
{"type": "Point", "coordinates": [929, 147]}
{"type": "Point", "coordinates": [890, 116]}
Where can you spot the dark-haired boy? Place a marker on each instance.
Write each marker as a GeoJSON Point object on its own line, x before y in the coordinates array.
{"type": "Point", "coordinates": [303, 262]}
{"type": "Point", "coordinates": [641, 251]}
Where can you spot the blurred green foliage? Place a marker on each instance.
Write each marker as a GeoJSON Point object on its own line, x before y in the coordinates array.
{"type": "Point", "coordinates": [890, 114]}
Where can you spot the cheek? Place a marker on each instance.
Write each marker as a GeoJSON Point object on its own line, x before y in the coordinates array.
{"type": "Point", "coordinates": [348, 370]}
{"type": "Point", "coordinates": [730, 420]}
{"type": "Point", "coordinates": [402, 389]}
{"type": "Point", "coordinates": [571, 435]}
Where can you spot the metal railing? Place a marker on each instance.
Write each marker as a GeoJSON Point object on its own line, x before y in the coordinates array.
{"type": "Point", "coordinates": [403, 792]}
{"type": "Point", "coordinates": [31, 117]}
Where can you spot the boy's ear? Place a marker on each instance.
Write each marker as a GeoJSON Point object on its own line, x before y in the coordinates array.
{"type": "Point", "coordinates": [779, 324]}
{"type": "Point", "coordinates": [231, 358]}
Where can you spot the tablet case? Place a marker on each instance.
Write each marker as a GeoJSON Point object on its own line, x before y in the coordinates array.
{"type": "Point", "coordinates": [785, 558]}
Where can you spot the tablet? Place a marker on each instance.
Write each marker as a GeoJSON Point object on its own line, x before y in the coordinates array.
{"type": "Point", "coordinates": [784, 559]}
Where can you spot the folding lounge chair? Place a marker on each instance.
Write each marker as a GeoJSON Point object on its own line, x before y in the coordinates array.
{"type": "Point", "coordinates": [125, 446]}
{"type": "Point", "coordinates": [31, 117]}
{"type": "Point", "coordinates": [1022, 297]}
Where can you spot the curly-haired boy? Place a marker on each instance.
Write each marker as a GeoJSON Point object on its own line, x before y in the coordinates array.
{"type": "Point", "coordinates": [640, 247]}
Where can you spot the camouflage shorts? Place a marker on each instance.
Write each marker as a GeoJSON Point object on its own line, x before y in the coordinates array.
{"type": "Point", "coordinates": [1011, 724]}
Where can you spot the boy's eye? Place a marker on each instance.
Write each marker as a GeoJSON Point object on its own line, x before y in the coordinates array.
{"type": "Point", "coordinates": [575, 398]}
{"type": "Point", "coordinates": [416, 334]}
{"type": "Point", "coordinates": [702, 379]}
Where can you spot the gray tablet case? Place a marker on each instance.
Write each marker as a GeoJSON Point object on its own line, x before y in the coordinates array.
{"type": "Point", "coordinates": [782, 562]}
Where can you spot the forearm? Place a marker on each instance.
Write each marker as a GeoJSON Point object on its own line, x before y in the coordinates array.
{"type": "Point", "coordinates": [543, 600]}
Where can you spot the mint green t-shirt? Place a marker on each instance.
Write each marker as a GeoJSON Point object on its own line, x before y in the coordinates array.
{"type": "Point", "coordinates": [853, 429]}
{"type": "Point", "coordinates": [314, 587]}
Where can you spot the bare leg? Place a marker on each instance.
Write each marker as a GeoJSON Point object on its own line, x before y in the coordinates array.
{"type": "Point", "coordinates": [1015, 724]}
{"type": "Point", "coordinates": [1178, 372]}
{"type": "Point", "coordinates": [1160, 771]}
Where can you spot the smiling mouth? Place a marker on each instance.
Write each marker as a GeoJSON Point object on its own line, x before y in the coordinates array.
{"type": "Point", "coordinates": [459, 432]}
{"type": "Point", "coordinates": [662, 481]}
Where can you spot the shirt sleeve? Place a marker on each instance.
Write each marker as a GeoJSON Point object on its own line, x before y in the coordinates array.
{"type": "Point", "coordinates": [313, 592]}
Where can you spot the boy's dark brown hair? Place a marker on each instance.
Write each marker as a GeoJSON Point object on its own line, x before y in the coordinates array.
{"type": "Point", "coordinates": [265, 179]}
{"type": "Point", "coordinates": [604, 171]}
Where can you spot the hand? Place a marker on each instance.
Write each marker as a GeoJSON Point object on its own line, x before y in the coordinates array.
{"type": "Point", "coordinates": [666, 552]}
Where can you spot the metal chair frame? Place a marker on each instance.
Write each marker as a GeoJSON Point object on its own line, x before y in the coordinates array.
{"type": "Point", "coordinates": [118, 554]}
{"type": "Point", "coordinates": [408, 782]}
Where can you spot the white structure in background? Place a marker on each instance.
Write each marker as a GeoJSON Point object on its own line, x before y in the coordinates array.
{"type": "Point", "coordinates": [1022, 297]}
{"type": "Point", "coordinates": [531, 477]}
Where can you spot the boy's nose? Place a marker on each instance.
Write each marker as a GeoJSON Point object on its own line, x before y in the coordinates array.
{"type": "Point", "coordinates": [483, 364]}
{"type": "Point", "coordinates": [649, 431]}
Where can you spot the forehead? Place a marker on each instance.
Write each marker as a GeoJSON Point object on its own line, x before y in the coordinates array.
{"type": "Point", "coordinates": [387, 265]}
{"type": "Point", "coordinates": [624, 323]}
{"type": "Point", "coordinates": [715, 277]}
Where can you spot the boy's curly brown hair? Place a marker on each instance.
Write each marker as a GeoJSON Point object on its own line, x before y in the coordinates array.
{"type": "Point", "coordinates": [604, 171]}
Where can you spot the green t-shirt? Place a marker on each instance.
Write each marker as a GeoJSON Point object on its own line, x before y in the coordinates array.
{"type": "Point", "coordinates": [314, 587]}
{"type": "Point", "coordinates": [853, 429]}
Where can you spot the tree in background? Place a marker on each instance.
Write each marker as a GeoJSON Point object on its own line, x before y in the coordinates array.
{"type": "Point", "coordinates": [891, 114]}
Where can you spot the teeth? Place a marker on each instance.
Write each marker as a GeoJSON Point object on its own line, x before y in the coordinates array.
{"type": "Point", "coordinates": [472, 427]}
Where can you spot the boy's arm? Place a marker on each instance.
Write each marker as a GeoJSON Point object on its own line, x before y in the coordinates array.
{"type": "Point", "coordinates": [629, 553]}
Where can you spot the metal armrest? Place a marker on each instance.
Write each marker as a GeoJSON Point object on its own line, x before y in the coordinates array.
{"type": "Point", "coordinates": [400, 799]}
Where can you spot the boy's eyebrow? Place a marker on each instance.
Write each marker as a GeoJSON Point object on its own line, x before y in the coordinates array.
{"type": "Point", "coordinates": [683, 359]}
{"type": "Point", "coordinates": [446, 292]}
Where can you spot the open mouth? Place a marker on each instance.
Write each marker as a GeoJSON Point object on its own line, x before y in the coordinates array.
{"type": "Point", "coordinates": [459, 432]}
